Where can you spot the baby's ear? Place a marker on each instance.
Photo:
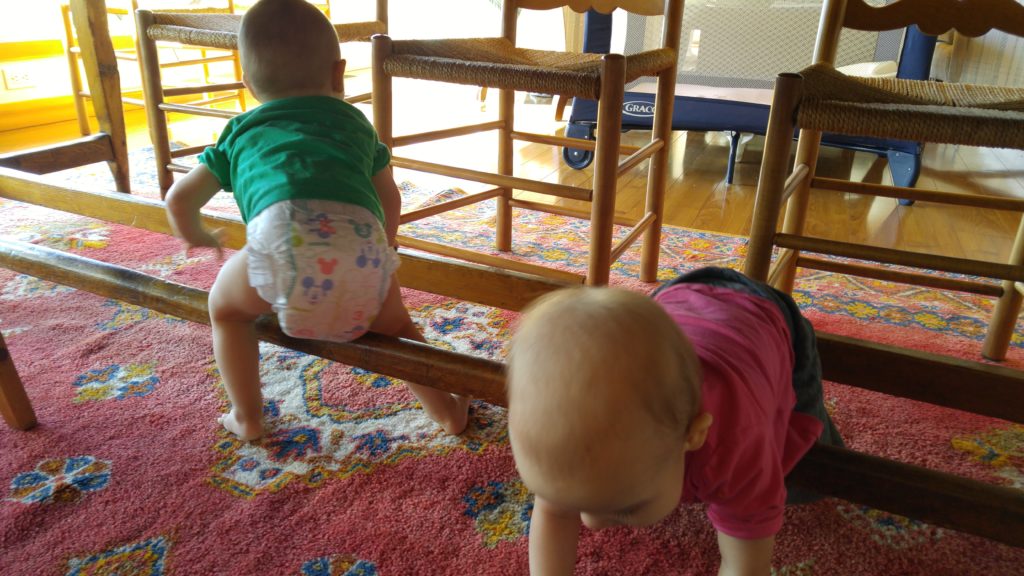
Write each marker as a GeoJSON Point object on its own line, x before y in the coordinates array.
{"type": "Point", "coordinates": [338, 77]}
{"type": "Point", "coordinates": [697, 433]}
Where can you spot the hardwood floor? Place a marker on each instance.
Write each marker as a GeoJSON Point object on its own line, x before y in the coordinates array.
{"type": "Point", "coordinates": [698, 196]}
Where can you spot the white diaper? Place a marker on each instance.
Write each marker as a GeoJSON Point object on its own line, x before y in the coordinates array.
{"type": "Point", "coordinates": [324, 266]}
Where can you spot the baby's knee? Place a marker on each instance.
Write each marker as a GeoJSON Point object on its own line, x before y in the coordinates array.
{"type": "Point", "coordinates": [222, 307]}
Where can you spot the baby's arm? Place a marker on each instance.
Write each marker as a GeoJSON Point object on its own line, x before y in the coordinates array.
{"type": "Point", "coordinates": [184, 200]}
{"type": "Point", "coordinates": [390, 200]}
{"type": "Point", "coordinates": [554, 534]}
{"type": "Point", "coordinates": [745, 557]}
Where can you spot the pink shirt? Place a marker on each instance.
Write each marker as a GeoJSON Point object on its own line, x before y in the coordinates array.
{"type": "Point", "coordinates": [755, 438]}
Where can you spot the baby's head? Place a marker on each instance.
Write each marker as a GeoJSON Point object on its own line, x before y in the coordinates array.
{"type": "Point", "coordinates": [604, 401]}
{"type": "Point", "coordinates": [289, 48]}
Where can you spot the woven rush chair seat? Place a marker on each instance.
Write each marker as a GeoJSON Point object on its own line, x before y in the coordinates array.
{"type": "Point", "coordinates": [206, 30]}
{"type": "Point", "coordinates": [95, 50]}
{"type": "Point", "coordinates": [221, 30]}
{"type": "Point", "coordinates": [940, 112]}
{"type": "Point", "coordinates": [501, 64]}
{"type": "Point", "coordinates": [497, 63]}
{"type": "Point", "coordinates": [820, 99]}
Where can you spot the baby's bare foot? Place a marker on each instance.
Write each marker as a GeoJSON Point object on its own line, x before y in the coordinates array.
{"type": "Point", "coordinates": [457, 418]}
{"type": "Point", "coordinates": [450, 411]}
{"type": "Point", "coordinates": [247, 430]}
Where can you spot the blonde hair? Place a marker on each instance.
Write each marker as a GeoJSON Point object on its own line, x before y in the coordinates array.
{"type": "Point", "coordinates": [287, 47]}
{"type": "Point", "coordinates": [586, 363]}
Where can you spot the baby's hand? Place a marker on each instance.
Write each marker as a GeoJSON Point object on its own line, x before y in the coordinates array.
{"type": "Point", "coordinates": [204, 239]}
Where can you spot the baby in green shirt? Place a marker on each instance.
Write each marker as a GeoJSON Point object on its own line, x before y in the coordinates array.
{"type": "Point", "coordinates": [315, 189]}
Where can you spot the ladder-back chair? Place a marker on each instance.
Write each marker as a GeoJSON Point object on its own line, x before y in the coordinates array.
{"type": "Point", "coordinates": [212, 31]}
{"type": "Point", "coordinates": [110, 143]}
{"type": "Point", "coordinates": [97, 53]}
{"type": "Point", "coordinates": [820, 99]}
{"type": "Point", "coordinates": [499, 63]}
{"type": "Point", "coordinates": [198, 56]}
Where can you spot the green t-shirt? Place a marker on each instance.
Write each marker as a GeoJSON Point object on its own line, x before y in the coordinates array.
{"type": "Point", "coordinates": [309, 147]}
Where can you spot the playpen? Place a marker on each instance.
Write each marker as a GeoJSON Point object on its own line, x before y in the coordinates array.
{"type": "Point", "coordinates": [728, 66]}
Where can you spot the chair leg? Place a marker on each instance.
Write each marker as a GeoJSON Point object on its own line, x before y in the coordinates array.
{"type": "Point", "coordinates": [657, 175]}
{"type": "Point", "coordinates": [796, 210]}
{"type": "Point", "coordinates": [734, 146]}
{"type": "Point", "coordinates": [14, 403]}
{"type": "Point", "coordinates": [772, 179]}
{"type": "Point", "coordinates": [237, 63]}
{"type": "Point", "coordinates": [1004, 317]}
{"type": "Point", "coordinates": [76, 75]}
{"type": "Point", "coordinates": [506, 114]}
{"type": "Point", "coordinates": [97, 53]}
{"type": "Point", "coordinates": [606, 164]}
{"type": "Point", "coordinates": [381, 49]}
{"type": "Point", "coordinates": [154, 96]}
{"type": "Point", "coordinates": [561, 102]}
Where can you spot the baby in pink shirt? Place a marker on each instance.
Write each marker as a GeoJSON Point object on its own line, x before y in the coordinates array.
{"type": "Point", "coordinates": [621, 406]}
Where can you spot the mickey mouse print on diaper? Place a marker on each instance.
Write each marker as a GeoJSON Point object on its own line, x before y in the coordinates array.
{"type": "Point", "coordinates": [320, 224]}
{"type": "Point", "coordinates": [369, 255]}
{"type": "Point", "coordinates": [362, 229]}
{"type": "Point", "coordinates": [314, 291]}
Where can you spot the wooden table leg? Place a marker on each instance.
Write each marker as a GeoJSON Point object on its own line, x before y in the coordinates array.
{"type": "Point", "coordinates": [14, 405]}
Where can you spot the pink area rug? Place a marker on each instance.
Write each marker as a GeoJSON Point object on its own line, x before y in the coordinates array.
{"type": "Point", "coordinates": [128, 472]}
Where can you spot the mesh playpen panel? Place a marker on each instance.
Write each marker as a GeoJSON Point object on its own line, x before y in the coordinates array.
{"type": "Point", "coordinates": [739, 46]}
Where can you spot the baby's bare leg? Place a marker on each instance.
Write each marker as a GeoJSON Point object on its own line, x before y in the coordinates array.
{"type": "Point", "coordinates": [234, 306]}
{"type": "Point", "coordinates": [448, 410]}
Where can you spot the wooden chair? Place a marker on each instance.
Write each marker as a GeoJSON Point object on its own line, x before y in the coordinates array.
{"type": "Point", "coordinates": [128, 9]}
{"type": "Point", "coordinates": [97, 53]}
{"type": "Point", "coordinates": [211, 31]}
{"type": "Point", "coordinates": [324, 6]}
{"type": "Point", "coordinates": [109, 144]}
{"type": "Point", "coordinates": [819, 99]}
{"type": "Point", "coordinates": [499, 63]}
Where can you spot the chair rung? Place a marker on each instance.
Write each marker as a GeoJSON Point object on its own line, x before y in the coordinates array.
{"type": "Point", "coordinates": [447, 206]}
{"type": "Point", "coordinates": [216, 100]}
{"type": "Point", "coordinates": [61, 156]}
{"type": "Point", "coordinates": [785, 261]}
{"type": "Point", "coordinates": [197, 61]}
{"type": "Point", "coordinates": [189, 90]}
{"type": "Point", "coordinates": [640, 155]}
{"type": "Point", "coordinates": [198, 111]}
{"type": "Point", "coordinates": [560, 190]}
{"type": "Point", "coordinates": [488, 260]}
{"type": "Point", "coordinates": [577, 143]}
{"type": "Point", "coordinates": [903, 193]}
{"type": "Point", "coordinates": [357, 98]}
{"type": "Point", "coordinates": [630, 238]}
{"type": "Point", "coordinates": [978, 387]}
{"type": "Point", "coordinates": [914, 278]}
{"type": "Point", "coordinates": [902, 257]}
{"type": "Point", "coordinates": [566, 211]}
{"type": "Point", "coordinates": [190, 151]}
{"type": "Point", "coordinates": [179, 168]}
{"type": "Point", "coordinates": [794, 181]}
{"type": "Point", "coordinates": [133, 102]}
{"type": "Point", "coordinates": [420, 137]}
